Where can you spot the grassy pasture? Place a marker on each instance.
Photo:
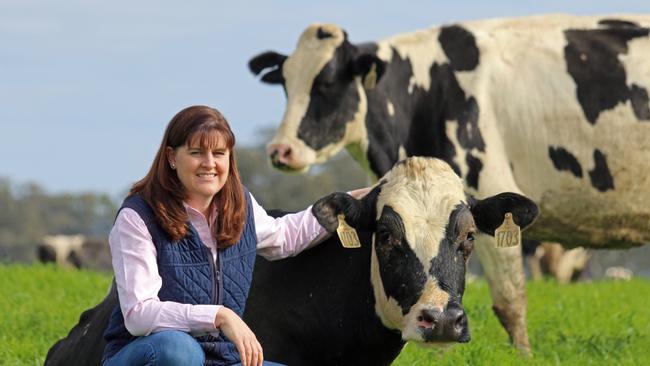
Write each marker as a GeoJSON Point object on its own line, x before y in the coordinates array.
{"type": "Point", "coordinates": [599, 323]}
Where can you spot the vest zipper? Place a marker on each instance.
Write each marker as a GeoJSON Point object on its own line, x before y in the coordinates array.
{"type": "Point", "coordinates": [215, 277]}
{"type": "Point", "coordinates": [219, 284]}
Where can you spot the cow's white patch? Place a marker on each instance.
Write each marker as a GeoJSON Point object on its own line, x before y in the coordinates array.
{"type": "Point", "coordinates": [637, 66]}
{"type": "Point", "coordinates": [424, 192]}
{"type": "Point", "coordinates": [64, 245]}
{"type": "Point", "coordinates": [421, 48]}
{"type": "Point", "coordinates": [388, 310]}
{"type": "Point", "coordinates": [390, 108]}
{"type": "Point", "coordinates": [402, 153]}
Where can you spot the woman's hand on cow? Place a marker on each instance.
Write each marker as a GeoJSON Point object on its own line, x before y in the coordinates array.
{"type": "Point", "coordinates": [361, 192]}
{"type": "Point", "coordinates": [233, 327]}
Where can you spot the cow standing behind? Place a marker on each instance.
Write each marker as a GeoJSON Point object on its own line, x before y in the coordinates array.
{"type": "Point", "coordinates": [336, 306]}
{"type": "Point", "coordinates": [554, 106]}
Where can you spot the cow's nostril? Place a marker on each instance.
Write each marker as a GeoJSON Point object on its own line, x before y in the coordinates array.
{"type": "Point", "coordinates": [428, 316]}
{"type": "Point", "coordinates": [286, 152]}
{"type": "Point", "coordinates": [460, 320]}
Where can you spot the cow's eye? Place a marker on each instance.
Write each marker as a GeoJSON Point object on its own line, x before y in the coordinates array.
{"type": "Point", "coordinates": [467, 245]}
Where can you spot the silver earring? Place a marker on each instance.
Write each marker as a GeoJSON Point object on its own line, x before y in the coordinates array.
{"type": "Point", "coordinates": [173, 166]}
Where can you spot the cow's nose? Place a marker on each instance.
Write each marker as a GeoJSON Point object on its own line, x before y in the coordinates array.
{"type": "Point", "coordinates": [280, 154]}
{"type": "Point", "coordinates": [449, 325]}
{"type": "Point", "coordinates": [455, 324]}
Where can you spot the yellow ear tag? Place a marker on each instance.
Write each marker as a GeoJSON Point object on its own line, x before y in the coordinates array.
{"type": "Point", "coordinates": [347, 234]}
{"type": "Point", "coordinates": [508, 234]}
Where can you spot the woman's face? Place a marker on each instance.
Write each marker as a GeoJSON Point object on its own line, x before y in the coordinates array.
{"type": "Point", "coordinates": [203, 172]}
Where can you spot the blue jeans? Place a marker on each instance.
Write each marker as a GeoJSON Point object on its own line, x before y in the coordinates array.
{"type": "Point", "coordinates": [167, 348]}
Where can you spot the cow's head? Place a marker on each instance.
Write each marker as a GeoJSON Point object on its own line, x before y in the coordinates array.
{"type": "Point", "coordinates": [324, 80]}
{"type": "Point", "coordinates": [424, 228]}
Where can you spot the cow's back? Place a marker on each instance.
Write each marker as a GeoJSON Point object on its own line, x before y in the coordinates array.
{"type": "Point", "coordinates": [564, 115]}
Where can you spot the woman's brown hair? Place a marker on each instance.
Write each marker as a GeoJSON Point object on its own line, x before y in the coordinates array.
{"type": "Point", "coordinates": [164, 192]}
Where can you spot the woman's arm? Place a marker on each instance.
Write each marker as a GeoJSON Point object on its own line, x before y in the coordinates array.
{"type": "Point", "coordinates": [138, 283]}
{"type": "Point", "coordinates": [290, 234]}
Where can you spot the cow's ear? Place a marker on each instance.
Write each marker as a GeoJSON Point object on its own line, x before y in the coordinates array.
{"type": "Point", "coordinates": [369, 67]}
{"type": "Point", "coordinates": [356, 212]}
{"type": "Point", "coordinates": [271, 63]}
{"type": "Point", "coordinates": [489, 213]}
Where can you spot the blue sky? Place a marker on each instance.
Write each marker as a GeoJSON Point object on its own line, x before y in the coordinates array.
{"type": "Point", "coordinates": [87, 87]}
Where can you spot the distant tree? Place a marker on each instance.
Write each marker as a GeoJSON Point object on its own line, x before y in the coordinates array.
{"type": "Point", "coordinates": [28, 213]}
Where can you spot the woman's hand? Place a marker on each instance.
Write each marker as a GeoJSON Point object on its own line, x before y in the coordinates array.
{"type": "Point", "coordinates": [360, 193]}
{"type": "Point", "coordinates": [233, 327]}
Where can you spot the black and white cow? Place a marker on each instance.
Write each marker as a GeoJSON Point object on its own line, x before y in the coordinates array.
{"type": "Point", "coordinates": [553, 106]}
{"type": "Point", "coordinates": [336, 306]}
{"type": "Point", "coordinates": [60, 249]}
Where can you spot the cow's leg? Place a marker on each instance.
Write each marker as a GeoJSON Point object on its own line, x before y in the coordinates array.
{"type": "Point", "coordinates": [504, 271]}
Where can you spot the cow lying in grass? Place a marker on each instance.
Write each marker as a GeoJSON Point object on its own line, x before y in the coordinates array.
{"type": "Point", "coordinates": [336, 306]}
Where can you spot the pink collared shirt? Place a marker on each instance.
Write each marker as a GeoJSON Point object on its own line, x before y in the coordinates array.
{"type": "Point", "coordinates": [138, 282]}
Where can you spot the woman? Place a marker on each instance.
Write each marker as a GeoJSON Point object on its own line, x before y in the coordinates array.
{"type": "Point", "coordinates": [183, 248]}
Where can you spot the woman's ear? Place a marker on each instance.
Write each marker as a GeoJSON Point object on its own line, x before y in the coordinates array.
{"type": "Point", "coordinates": [171, 157]}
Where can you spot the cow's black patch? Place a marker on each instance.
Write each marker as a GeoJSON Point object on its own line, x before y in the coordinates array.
{"type": "Point", "coordinates": [475, 166]}
{"type": "Point", "coordinates": [469, 136]}
{"type": "Point", "coordinates": [460, 47]}
{"type": "Point", "coordinates": [640, 102]}
{"type": "Point", "coordinates": [402, 273]}
{"type": "Point", "coordinates": [419, 122]}
{"type": "Point", "coordinates": [601, 177]}
{"type": "Point", "coordinates": [334, 100]}
{"type": "Point", "coordinates": [617, 23]}
{"type": "Point", "coordinates": [529, 247]}
{"type": "Point", "coordinates": [592, 58]}
{"type": "Point", "coordinates": [564, 160]}
{"type": "Point", "coordinates": [448, 266]}
{"type": "Point", "coordinates": [322, 34]}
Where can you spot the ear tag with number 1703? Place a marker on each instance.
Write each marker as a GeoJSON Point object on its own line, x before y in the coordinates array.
{"type": "Point", "coordinates": [508, 234]}
{"type": "Point", "coordinates": [347, 234]}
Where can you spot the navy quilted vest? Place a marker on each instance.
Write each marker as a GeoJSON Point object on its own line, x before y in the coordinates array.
{"type": "Point", "coordinates": [189, 276]}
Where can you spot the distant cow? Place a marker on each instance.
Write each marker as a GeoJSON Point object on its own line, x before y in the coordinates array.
{"type": "Point", "coordinates": [75, 250]}
{"type": "Point", "coordinates": [60, 249]}
{"type": "Point", "coordinates": [619, 273]}
{"type": "Point", "coordinates": [554, 106]}
{"type": "Point", "coordinates": [552, 259]}
{"type": "Point", "coordinates": [336, 306]}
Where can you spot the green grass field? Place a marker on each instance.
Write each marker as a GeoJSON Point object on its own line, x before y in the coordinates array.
{"type": "Point", "coordinates": [600, 323]}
